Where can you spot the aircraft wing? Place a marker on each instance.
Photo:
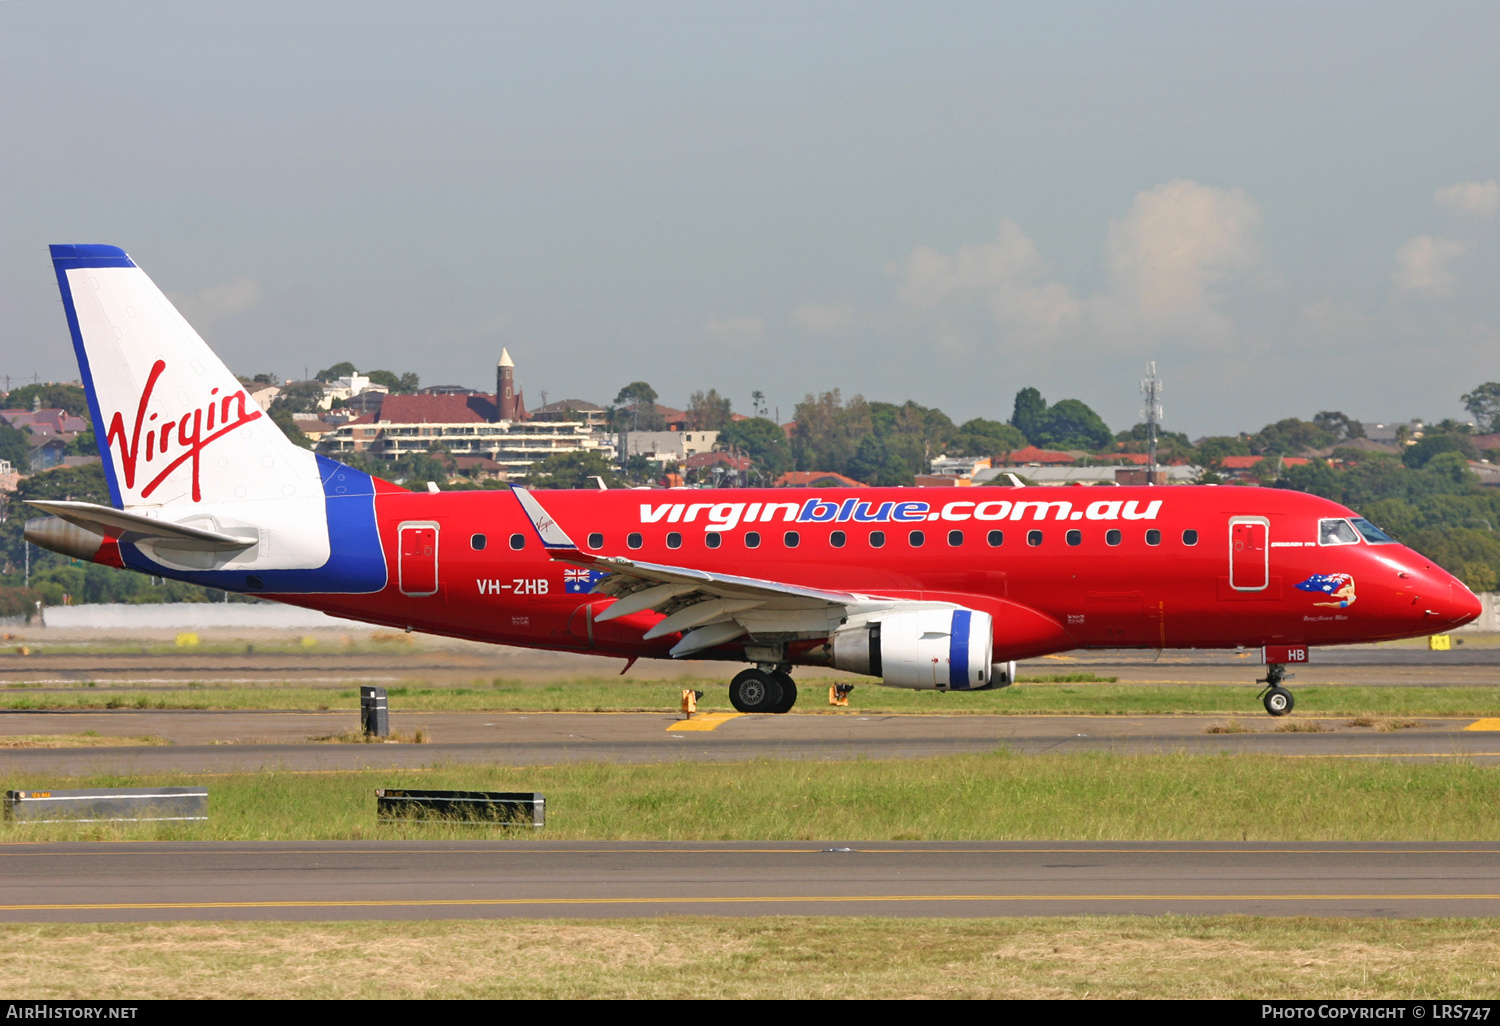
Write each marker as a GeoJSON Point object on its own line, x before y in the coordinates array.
{"type": "Point", "coordinates": [708, 608]}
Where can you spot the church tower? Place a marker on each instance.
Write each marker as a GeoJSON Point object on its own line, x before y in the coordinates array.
{"type": "Point", "coordinates": [505, 387]}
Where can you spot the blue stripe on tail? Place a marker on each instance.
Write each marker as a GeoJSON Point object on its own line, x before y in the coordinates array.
{"type": "Point", "coordinates": [72, 258]}
{"type": "Point", "coordinates": [356, 562]}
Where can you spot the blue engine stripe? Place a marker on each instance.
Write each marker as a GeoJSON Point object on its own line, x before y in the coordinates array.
{"type": "Point", "coordinates": [958, 651]}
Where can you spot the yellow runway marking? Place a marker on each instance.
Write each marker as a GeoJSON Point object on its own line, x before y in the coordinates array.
{"type": "Point", "coordinates": [746, 900]}
{"type": "Point", "coordinates": [1487, 724]}
{"type": "Point", "coordinates": [702, 721]}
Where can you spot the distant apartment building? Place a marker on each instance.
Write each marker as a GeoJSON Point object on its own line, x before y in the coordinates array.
{"type": "Point", "coordinates": [344, 389]}
{"type": "Point", "coordinates": [667, 446]}
{"type": "Point", "coordinates": [953, 471]}
{"type": "Point", "coordinates": [494, 427]}
{"type": "Point", "coordinates": [573, 409]}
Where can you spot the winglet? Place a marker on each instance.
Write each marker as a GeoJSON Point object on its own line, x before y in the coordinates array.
{"type": "Point", "coordinates": [553, 537]}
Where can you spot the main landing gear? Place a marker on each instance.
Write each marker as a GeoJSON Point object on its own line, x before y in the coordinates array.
{"type": "Point", "coordinates": [759, 690]}
{"type": "Point", "coordinates": [1277, 699]}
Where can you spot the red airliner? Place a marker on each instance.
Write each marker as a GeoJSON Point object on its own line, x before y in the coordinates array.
{"type": "Point", "coordinates": [914, 587]}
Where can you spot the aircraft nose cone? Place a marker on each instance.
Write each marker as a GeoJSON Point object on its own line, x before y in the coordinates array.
{"type": "Point", "coordinates": [1463, 604]}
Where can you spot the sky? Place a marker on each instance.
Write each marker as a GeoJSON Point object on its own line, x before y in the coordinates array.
{"type": "Point", "coordinates": [1289, 207]}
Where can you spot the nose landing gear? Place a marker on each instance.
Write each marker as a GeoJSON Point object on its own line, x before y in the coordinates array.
{"type": "Point", "coordinates": [759, 690]}
{"type": "Point", "coordinates": [1277, 699]}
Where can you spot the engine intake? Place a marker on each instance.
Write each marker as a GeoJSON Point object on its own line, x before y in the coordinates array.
{"type": "Point", "coordinates": [929, 649]}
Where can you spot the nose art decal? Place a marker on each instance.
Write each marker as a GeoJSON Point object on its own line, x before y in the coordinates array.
{"type": "Point", "coordinates": [1339, 587]}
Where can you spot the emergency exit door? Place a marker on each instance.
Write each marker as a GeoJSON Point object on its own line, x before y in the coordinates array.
{"type": "Point", "coordinates": [418, 565]}
{"type": "Point", "coordinates": [1249, 553]}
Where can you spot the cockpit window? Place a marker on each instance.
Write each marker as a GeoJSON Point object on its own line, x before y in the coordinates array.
{"type": "Point", "coordinates": [1336, 532]}
{"type": "Point", "coordinates": [1373, 534]}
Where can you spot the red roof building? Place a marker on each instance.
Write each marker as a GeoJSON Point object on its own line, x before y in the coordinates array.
{"type": "Point", "coordinates": [701, 460]}
{"type": "Point", "coordinates": [1240, 462]}
{"type": "Point", "coordinates": [43, 423]}
{"type": "Point", "coordinates": [1045, 457]}
{"type": "Point", "coordinates": [815, 479]}
{"type": "Point", "coordinates": [438, 409]}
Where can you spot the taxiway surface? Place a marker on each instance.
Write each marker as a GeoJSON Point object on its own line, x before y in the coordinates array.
{"type": "Point", "coordinates": [247, 741]}
{"type": "Point", "coordinates": [331, 880]}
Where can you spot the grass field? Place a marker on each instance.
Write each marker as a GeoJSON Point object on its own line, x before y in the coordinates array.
{"type": "Point", "coordinates": [781, 957]}
{"type": "Point", "coordinates": [188, 641]}
{"type": "Point", "coordinates": [970, 797]}
{"type": "Point", "coordinates": [1059, 696]}
{"type": "Point", "coordinates": [87, 739]}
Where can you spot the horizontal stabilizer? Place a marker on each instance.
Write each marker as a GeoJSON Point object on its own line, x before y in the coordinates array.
{"type": "Point", "coordinates": [115, 523]}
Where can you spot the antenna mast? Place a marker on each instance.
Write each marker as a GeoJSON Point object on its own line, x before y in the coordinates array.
{"type": "Point", "coordinates": [1152, 414]}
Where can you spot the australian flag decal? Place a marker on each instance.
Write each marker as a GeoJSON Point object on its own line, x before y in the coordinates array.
{"type": "Point", "coordinates": [1339, 587]}
{"type": "Point", "coordinates": [581, 582]}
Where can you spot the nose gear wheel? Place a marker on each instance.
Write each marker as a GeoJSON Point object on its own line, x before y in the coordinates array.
{"type": "Point", "coordinates": [1278, 701]}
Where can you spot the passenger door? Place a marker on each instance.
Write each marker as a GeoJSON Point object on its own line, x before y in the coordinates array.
{"type": "Point", "coordinates": [418, 565]}
{"type": "Point", "coordinates": [1249, 553]}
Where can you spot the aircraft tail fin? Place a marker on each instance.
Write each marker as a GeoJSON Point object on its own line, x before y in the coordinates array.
{"type": "Point", "coordinates": [175, 428]}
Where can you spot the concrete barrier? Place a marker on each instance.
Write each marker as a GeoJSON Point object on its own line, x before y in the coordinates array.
{"type": "Point", "coordinates": [108, 805]}
{"type": "Point", "coordinates": [500, 808]}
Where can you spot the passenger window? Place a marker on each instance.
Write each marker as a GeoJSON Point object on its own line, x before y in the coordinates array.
{"type": "Point", "coordinates": [917, 539]}
{"type": "Point", "coordinates": [1190, 537]}
{"type": "Point", "coordinates": [791, 539]}
{"type": "Point", "coordinates": [837, 539]}
{"type": "Point", "coordinates": [752, 539]}
{"type": "Point", "coordinates": [713, 539]}
{"type": "Point", "coordinates": [1033, 538]}
{"type": "Point", "coordinates": [634, 540]}
{"type": "Point", "coordinates": [1336, 532]}
{"type": "Point", "coordinates": [1112, 537]}
{"type": "Point", "coordinates": [1075, 537]}
{"type": "Point", "coordinates": [518, 542]}
{"type": "Point", "coordinates": [1153, 537]}
{"type": "Point", "coordinates": [674, 540]}
{"type": "Point", "coordinates": [996, 539]}
{"type": "Point", "coordinates": [596, 540]}
{"type": "Point", "coordinates": [477, 542]}
{"type": "Point", "coordinates": [877, 539]}
{"type": "Point", "coordinates": [955, 538]}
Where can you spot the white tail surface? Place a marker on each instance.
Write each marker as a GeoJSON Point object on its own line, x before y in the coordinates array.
{"type": "Point", "coordinates": [180, 437]}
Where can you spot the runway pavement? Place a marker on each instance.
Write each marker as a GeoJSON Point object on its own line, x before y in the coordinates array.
{"type": "Point", "coordinates": [208, 741]}
{"type": "Point", "coordinates": [103, 882]}
{"type": "Point", "coordinates": [49, 666]}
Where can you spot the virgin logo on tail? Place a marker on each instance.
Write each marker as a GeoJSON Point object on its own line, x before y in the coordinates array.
{"type": "Point", "coordinates": [181, 440]}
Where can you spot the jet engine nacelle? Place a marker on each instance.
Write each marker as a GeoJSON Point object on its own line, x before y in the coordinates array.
{"type": "Point", "coordinates": [931, 649]}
